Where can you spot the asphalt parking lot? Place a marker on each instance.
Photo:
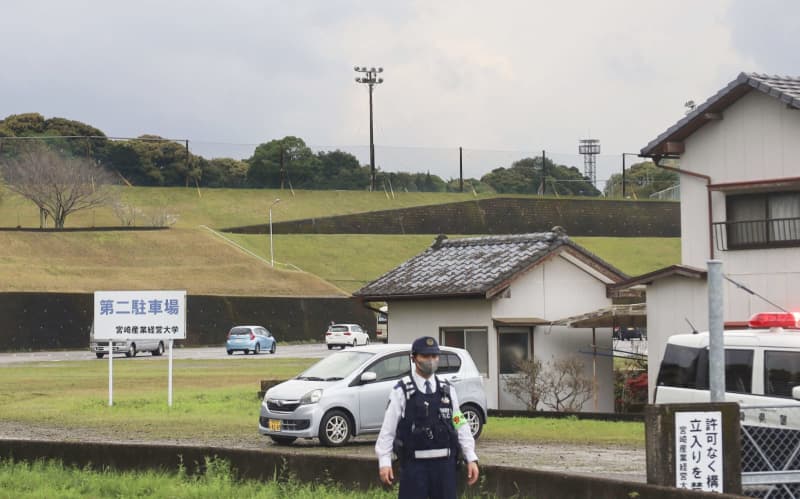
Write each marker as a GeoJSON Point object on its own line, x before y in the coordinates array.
{"type": "Point", "coordinates": [306, 350]}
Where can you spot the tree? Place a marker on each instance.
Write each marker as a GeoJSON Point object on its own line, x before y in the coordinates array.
{"type": "Point", "coordinates": [282, 162]}
{"type": "Point", "coordinates": [224, 172]}
{"type": "Point", "coordinates": [340, 170]}
{"type": "Point", "coordinates": [528, 386]}
{"type": "Point", "coordinates": [641, 180]}
{"type": "Point", "coordinates": [526, 176]}
{"type": "Point", "coordinates": [559, 385]}
{"type": "Point", "coordinates": [58, 185]}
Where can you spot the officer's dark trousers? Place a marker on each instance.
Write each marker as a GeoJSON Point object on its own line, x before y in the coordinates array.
{"type": "Point", "coordinates": [428, 478]}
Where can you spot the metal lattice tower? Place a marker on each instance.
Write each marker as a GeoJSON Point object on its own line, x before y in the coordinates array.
{"type": "Point", "coordinates": [590, 148]}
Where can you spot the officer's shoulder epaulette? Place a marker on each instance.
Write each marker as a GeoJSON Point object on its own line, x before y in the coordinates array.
{"type": "Point", "coordinates": [407, 384]}
{"type": "Point", "coordinates": [444, 385]}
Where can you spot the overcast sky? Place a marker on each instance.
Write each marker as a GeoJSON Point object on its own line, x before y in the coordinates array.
{"type": "Point", "coordinates": [502, 79]}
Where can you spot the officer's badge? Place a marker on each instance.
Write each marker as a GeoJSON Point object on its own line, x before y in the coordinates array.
{"type": "Point", "coordinates": [458, 420]}
{"type": "Point", "coordinates": [429, 342]}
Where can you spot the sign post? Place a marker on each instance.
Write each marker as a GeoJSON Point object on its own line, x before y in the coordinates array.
{"type": "Point", "coordinates": [110, 372]}
{"type": "Point", "coordinates": [139, 316]}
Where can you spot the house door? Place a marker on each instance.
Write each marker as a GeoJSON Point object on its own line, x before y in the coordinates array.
{"type": "Point", "coordinates": [513, 346]}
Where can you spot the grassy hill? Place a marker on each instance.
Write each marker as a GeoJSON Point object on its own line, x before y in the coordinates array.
{"type": "Point", "coordinates": [193, 257]}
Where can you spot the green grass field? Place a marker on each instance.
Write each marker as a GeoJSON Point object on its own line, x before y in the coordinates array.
{"type": "Point", "coordinates": [192, 257]}
{"type": "Point", "coordinates": [211, 398]}
{"type": "Point", "coordinates": [51, 479]}
{"type": "Point", "coordinates": [220, 208]}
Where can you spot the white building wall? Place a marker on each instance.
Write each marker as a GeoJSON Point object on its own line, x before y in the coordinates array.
{"type": "Point", "coordinates": [559, 342]}
{"type": "Point", "coordinates": [755, 140]}
{"type": "Point", "coordinates": [410, 319]}
{"type": "Point", "coordinates": [670, 301]}
{"type": "Point", "coordinates": [553, 290]}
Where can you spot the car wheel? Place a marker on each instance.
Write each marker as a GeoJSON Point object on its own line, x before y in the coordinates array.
{"type": "Point", "coordinates": [335, 429]}
{"type": "Point", "coordinates": [230, 352]}
{"type": "Point", "coordinates": [257, 349]}
{"type": "Point", "coordinates": [159, 350]}
{"type": "Point", "coordinates": [473, 416]}
{"type": "Point", "coordinates": [131, 351]}
{"type": "Point", "coordinates": [283, 440]}
{"type": "Point", "coordinates": [99, 355]}
{"type": "Point", "coordinates": [330, 347]}
{"type": "Point", "coordinates": [273, 348]}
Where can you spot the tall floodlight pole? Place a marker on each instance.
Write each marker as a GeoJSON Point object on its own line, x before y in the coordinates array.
{"type": "Point", "coordinates": [371, 79]}
{"type": "Point", "coordinates": [271, 251]}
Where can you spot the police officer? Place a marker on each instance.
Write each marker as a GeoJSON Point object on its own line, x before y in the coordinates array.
{"type": "Point", "coordinates": [424, 427]}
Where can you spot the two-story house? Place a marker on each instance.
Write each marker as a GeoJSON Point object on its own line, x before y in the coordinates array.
{"type": "Point", "coordinates": [738, 155]}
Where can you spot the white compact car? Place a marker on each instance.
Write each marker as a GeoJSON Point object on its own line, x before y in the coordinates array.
{"type": "Point", "coordinates": [345, 335]}
{"type": "Point", "coordinates": [346, 394]}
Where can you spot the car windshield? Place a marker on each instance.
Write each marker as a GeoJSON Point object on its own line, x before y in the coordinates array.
{"type": "Point", "coordinates": [336, 366]}
{"type": "Point", "coordinates": [239, 331]}
{"type": "Point", "coordinates": [338, 329]}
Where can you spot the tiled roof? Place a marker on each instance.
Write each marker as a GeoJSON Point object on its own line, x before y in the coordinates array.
{"type": "Point", "coordinates": [784, 88]}
{"type": "Point", "coordinates": [469, 266]}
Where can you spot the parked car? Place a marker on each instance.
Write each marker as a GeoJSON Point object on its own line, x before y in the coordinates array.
{"type": "Point", "coordinates": [382, 325]}
{"type": "Point", "coordinates": [248, 339]}
{"type": "Point", "coordinates": [346, 393]}
{"type": "Point", "coordinates": [762, 368]}
{"type": "Point", "coordinates": [343, 335]}
{"type": "Point", "coordinates": [627, 333]}
{"type": "Point", "coordinates": [129, 346]}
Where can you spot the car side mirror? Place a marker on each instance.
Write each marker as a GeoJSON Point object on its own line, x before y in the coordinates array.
{"type": "Point", "coordinates": [368, 377]}
{"type": "Point", "coordinates": [796, 392]}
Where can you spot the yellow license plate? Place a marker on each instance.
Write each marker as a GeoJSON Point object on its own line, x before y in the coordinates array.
{"type": "Point", "coordinates": [275, 425]}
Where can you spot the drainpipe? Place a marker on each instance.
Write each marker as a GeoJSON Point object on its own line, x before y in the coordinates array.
{"type": "Point", "coordinates": [657, 159]}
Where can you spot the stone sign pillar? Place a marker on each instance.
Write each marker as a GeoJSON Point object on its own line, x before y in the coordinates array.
{"type": "Point", "coordinates": [694, 446]}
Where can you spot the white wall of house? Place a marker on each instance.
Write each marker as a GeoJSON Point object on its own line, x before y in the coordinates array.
{"type": "Point", "coordinates": [553, 290]}
{"type": "Point", "coordinates": [410, 319]}
{"type": "Point", "coordinates": [670, 301]}
{"type": "Point", "coordinates": [559, 342]}
{"type": "Point", "coordinates": [755, 140]}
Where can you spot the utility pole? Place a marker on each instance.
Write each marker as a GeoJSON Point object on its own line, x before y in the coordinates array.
{"type": "Point", "coordinates": [460, 169]}
{"type": "Point", "coordinates": [371, 79]}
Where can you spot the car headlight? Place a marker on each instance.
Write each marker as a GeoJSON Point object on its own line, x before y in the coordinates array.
{"type": "Point", "coordinates": [311, 397]}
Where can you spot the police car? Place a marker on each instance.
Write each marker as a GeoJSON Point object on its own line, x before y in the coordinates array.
{"type": "Point", "coordinates": [346, 394]}
{"type": "Point", "coordinates": [762, 367]}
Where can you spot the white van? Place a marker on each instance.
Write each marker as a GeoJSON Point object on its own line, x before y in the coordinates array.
{"type": "Point", "coordinates": [129, 347]}
{"type": "Point", "coordinates": [762, 364]}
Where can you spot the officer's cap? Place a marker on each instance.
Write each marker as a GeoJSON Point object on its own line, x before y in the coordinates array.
{"type": "Point", "coordinates": [425, 345]}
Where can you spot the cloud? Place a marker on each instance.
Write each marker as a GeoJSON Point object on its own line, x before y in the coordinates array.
{"type": "Point", "coordinates": [515, 75]}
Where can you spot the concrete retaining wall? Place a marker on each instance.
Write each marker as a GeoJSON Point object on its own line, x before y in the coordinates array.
{"type": "Point", "coordinates": [580, 217]}
{"type": "Point", "coordinates": [52, 321]}
{"type": "Point", "coordinates": [359, 473]}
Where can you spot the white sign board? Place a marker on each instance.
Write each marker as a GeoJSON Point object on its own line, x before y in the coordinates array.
{"type": "Point", "coordinates": [698, 450]}
{"type": "Point", "coordinates": [122, 315]}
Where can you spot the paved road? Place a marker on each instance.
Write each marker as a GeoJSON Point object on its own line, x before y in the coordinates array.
{"type": "Point", "coordinates": [315, 350]}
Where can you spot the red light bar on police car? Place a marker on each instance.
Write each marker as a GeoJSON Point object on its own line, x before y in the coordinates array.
{"type": "Point", "coordinates": [789, 320]}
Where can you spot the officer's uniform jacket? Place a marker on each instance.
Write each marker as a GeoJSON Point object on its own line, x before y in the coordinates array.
{"type": "Point", "coordinates": [397, 405]}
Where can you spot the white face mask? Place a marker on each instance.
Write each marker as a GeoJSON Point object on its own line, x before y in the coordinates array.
{"type": "Point", "coordinates": [428, 367]}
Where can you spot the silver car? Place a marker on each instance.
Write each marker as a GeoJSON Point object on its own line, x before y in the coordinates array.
{"type": "Point", "coordinates": [346, 394]}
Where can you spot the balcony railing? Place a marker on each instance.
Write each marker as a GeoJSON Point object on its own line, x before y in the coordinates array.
{"type": "Point", "coordinates": [753, 234]}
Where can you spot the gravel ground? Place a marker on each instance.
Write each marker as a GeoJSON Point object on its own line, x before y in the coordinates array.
{"type": "Point", "coordinates": [621, 463]}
